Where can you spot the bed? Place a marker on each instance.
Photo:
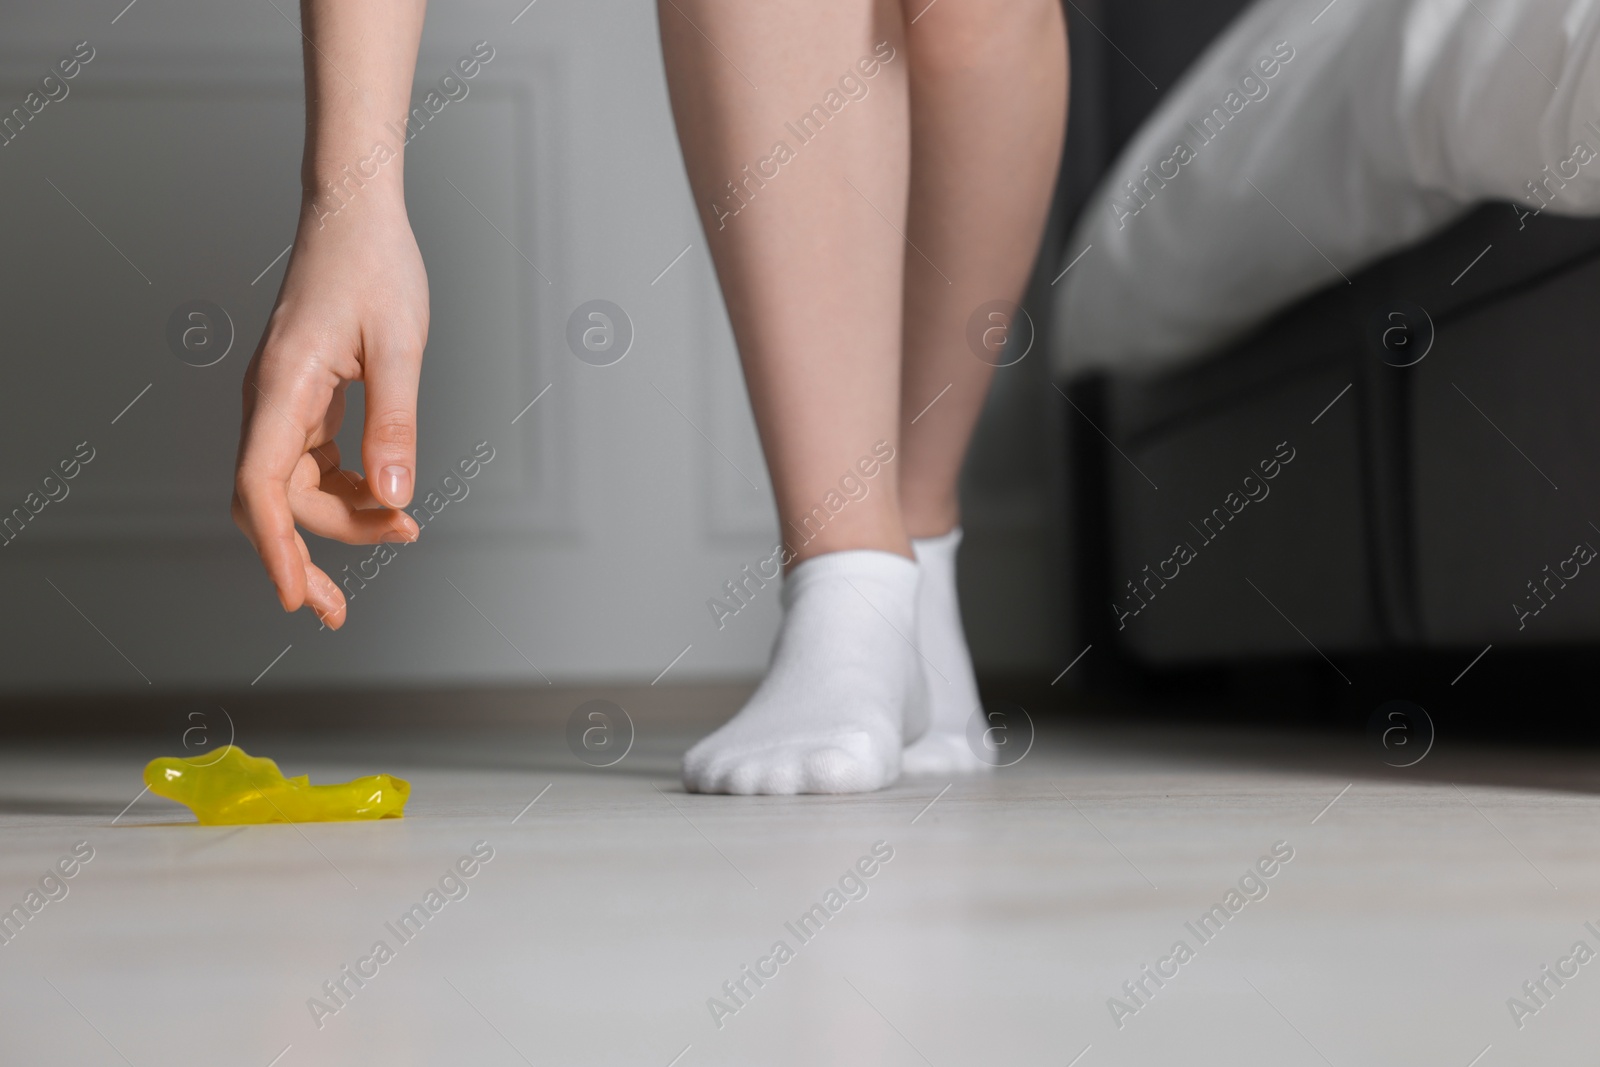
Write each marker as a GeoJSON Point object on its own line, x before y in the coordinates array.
{"type": "Point", "coordinates": [1364, 232]}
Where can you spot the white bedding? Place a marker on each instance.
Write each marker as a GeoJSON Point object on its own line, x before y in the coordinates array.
{"type": "Point", "coordinates": [1381, 121]}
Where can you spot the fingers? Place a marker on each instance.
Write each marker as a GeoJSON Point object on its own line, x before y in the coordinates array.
{"type": "Point", "coordinates": [283, 480]}
{"type": "Point", "coordinates": [266, 520]}
{"type": "Point", "coordinates": [389, 439]}
{"type": "Point", "coordinates": [322, 594]}
{"type": "Point", "coordinates": [342, 506]}
{"type": "Point", "coordinates": [269, 451]}
{"type": "Point", "coordinates": [333, 516]}
{"type": "Point", "coordinates": [327, 456]}
{"type": "Point", "coordinates": [349, 486]}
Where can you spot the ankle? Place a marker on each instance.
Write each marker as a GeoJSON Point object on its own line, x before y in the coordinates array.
{"type": "Point", "coordinates": [926, 522]}
{"type": "Point", "coordinates": [944, 544]}
{"type": "Point", "coordinates": [813, 549]}
{"type": "Point", "coordinates": [846, 533]}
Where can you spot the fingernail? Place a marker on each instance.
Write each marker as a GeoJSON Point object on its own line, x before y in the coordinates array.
{"type": "Point", "coordinates": [396, 486]}
{"type": "Point", "coordinates": [396, 537]}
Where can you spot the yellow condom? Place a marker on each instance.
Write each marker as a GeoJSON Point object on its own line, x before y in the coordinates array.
{"type": "Point", "coordinates": [230, 787]}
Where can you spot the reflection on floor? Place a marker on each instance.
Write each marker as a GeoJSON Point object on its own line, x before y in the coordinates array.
{"type": "Point", "coordinates": [531, 909]}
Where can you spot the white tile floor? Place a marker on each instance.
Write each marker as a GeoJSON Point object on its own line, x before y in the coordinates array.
{"type": "Point", "coordinates": [1012, 910]}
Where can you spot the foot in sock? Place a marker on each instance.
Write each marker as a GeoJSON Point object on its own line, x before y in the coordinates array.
{"type": "Point", "coordinates": [952, 689]}
{"type": "Point", "coordinates": [843, 693]}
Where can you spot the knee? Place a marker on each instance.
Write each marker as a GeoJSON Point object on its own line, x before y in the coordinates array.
{"type": "Point", "coordinates": [957, 38]}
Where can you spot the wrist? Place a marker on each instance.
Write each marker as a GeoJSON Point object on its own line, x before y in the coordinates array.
{"type": "Point", "coordinates": [366, 182]}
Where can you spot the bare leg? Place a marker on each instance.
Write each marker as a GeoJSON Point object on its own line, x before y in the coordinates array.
{"type": "Point", "coordinates": [988, 113]}
{"type": "Point", "coordinates": [810, 263]}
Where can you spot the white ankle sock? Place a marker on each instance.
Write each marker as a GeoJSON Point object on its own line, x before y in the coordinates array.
{"type": "Point", "coordinates": [843, 693]}
{"type": "Point", "coordinates": [952, 689]}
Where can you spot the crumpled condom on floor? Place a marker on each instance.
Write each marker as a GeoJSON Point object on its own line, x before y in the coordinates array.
{"type": "Point", "coordinates": [230, 787]}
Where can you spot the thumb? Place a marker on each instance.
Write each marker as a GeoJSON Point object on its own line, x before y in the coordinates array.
{"type": "Point", "coordinates": [389, 438]}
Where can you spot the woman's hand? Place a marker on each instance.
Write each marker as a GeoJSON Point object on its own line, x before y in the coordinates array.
{"type": "Point", "coordinates": [353, 307]}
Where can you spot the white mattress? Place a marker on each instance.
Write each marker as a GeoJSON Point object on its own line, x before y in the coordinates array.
{"type": "Point", "coordinates": [1382, 121]}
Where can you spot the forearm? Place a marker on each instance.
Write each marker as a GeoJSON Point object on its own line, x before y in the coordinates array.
{"type": "Point", "coordinates": [360, 57]}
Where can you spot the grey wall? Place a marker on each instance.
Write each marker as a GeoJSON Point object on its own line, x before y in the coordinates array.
{"type": "Point", "coordinates": [613, 508]}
